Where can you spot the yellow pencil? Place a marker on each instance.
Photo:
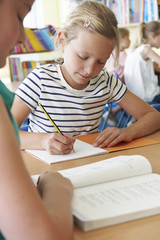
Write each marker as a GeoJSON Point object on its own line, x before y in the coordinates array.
{"type": "Point", "coordinates": [56, 127]}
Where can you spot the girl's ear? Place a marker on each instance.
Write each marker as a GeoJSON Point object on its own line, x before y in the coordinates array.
{"type": "Point", "coordinates": [61, 40]}
{"type": "Point", "coordinates": [152, 35]}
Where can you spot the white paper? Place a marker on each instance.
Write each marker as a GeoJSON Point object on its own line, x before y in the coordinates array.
{"type": "Point", "coordinates": [81, 148]}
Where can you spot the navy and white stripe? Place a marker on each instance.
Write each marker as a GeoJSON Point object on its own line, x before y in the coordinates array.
{"type": "Point", "coordinates": [74, 111]}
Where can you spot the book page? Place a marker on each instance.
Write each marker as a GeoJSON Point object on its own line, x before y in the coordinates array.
{"type": "Point", "coordinates": [108, 170]}
{"type": "Point", "coordinates": [81, 148]}
{"type": "Point", "coordinates": [118, 201]}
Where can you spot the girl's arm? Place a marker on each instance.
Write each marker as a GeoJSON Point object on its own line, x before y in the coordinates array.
{"type": "Point", "coordinates": [148, 122]}
{"type": "Point", "coordinates": [149, 53]}
{"type": "Point", "coordinates": [54, 143]}
{"type": "Point", "coordinates": [23, 214]}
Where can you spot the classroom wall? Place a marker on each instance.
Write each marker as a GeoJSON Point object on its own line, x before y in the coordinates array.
{"type": "Point", "coordinates": [55, 12]}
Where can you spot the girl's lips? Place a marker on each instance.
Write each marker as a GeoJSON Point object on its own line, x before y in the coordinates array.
{"type": "Point", "coordinates": [84, 76]}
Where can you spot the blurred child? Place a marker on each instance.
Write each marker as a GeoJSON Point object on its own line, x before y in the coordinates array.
{"type": "Point", "coordinates": [76, 92]}
{"type": "Point", "coordinates": [117, 68]}
{"type": "Point", "coordinates": [139, 68]}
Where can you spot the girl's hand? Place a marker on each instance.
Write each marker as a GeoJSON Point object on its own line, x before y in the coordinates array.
{"type": "Point", "coordinates": [56, 143]}
{"type": "Point", "coordinates": [54, 183]}
{"type": "Point", "coordinates": [112, 136]}
{"type": "Point", "coordinates": [56, 192]}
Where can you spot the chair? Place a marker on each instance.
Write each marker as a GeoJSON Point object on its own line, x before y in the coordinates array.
{"type": "Point", "coordinates": [25, 124]}
{"type": "Point", "coordinates": [122, 117]}
{"type": "Point", "coordinates": [156, 106]}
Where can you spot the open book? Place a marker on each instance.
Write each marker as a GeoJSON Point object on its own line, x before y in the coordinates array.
{"type": "Point", "coordinates": [113, 191]}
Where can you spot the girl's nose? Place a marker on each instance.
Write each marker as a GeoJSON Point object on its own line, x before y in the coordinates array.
{"type": "Point", "coordinates": [89, 68]}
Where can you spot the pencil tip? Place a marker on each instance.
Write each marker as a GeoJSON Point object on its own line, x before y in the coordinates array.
{"type": "Point", "coordinates": [73, 150]}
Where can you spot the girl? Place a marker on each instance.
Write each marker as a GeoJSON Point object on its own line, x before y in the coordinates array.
{"type": "Point", "coordinates": [75, 93]}
{"type": "Point", "coordinates": [124, 43]}
{"type": "Point", "coordinates": [139, 69]}
{"type": "Point", "coordinates": [23, 214]}
{"type": "Point", "coordinates": [118, 68]}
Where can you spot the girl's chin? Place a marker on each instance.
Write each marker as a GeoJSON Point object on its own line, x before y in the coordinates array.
{"type": "Point", "coordinates": [2, 63]}
{"type": "Point", "coordinates": [82, 86]}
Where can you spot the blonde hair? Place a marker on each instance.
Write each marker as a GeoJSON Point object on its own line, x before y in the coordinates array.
{"type": "Point", "coordinates": [145, 30]}
{"type": "Point", "coordinates": [102, 21]}
{"type": "Point", "coordinates": [123, 32]}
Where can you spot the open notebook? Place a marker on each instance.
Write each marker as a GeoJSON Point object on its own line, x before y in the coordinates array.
{"type": "Point", "coordinates": [82, 149]}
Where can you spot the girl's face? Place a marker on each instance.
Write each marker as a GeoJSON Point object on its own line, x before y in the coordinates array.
{"type": "Point", "coordinates": [12, 13]}
{"type": "Point", "coordinates": [84, 57]}
{"type": "Point", "coordinates": [154, 40]}
{"type": "Point", "coordinates": [124, 43]}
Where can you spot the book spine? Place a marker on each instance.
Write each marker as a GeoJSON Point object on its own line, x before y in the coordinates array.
{"type": "Point", "coordinates": [25, 69]}
{"type": "Point", "coordinates": [149, 11]}
{"type": "Point", "coordinates": [145, 10]}
{"type": "Point", "coordinates": [11, 69]}
{"type": "Point", "coordinates": [33, 40]}
{"type": "Point", "coordinates": [28, 44]}
{"type": "Point", "coordinates": [154, 6]}
{"type": "Point", "coordinates": [34, 64]}
{"type": "Point", "coordinates": [36, 40]}
{"type": "Point", "coordinates": [40, 45]}
{"type": "Point", "coordinates": [41, 39]}
{"type": "Point", "coordinates": [131, 11]}
{"type": "Point", "coordinates": [136, 15]}
{"type": "Point", "coordinates": [142, 11]}
{"type": "Point", "coordinates": [47, 38]}
{"type": "Point", "coordinates": [19, 69]}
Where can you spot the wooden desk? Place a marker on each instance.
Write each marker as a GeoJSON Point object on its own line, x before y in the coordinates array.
{"type": "Point", "coordinates": [142, 229]}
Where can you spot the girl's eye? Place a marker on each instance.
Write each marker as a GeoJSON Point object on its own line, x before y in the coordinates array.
{"type": "Point", "coordinates": [101, 63]}
{"type": "Point", "coordinates": [83, 58]}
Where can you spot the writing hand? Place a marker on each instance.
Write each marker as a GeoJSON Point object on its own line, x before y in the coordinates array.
{"type": "Point", "coordinates": [56, 143]}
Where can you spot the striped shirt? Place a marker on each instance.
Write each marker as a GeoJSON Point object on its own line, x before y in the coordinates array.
{"type": "Point", "coordinates": [74, 111]}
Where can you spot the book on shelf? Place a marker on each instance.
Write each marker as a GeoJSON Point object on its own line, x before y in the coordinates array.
{"type": "Point", "coordinates": [37, 40]}
{"type": "Point", "coordinates": [113, 191]}
{"type": "Point", "coordinates": [16, 70]}
{"type": "Point", "coordinates": [29, 66]}
{"type": "Point", "coordinates": [28, 44]}
{"type": "Point", "coordinates": [134, 11]}
{"type": "Point", "coordinates": [41, 39]}
{"type": "Point", "coordinates": [36, 44]}
{"type": "Point", "coordinates": [46, 37]}
{"type": "Point", "coordinates": [20, 70]}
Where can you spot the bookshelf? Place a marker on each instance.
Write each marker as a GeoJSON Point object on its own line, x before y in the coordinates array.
{"type": "Point", "coordinates": [130, 12]}
{"type": "Point", "coordinates": [38, 49]}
